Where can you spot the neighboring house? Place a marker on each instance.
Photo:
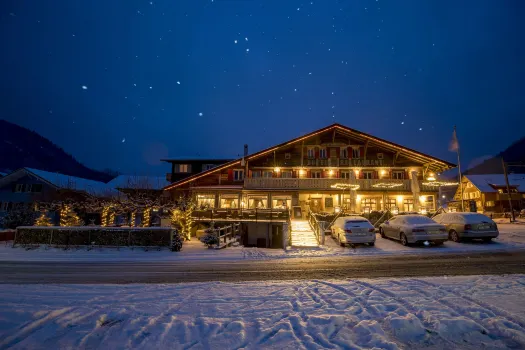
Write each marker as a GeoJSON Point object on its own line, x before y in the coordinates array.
{"type": "Point", "coordinates": [146, 184]}
{"type": "Point", "coordinates": [26, 186]}
{"type": "Point", "coordinates": [183, 167]}
{"type": "Point", "coordinates": [332, 168]}
{"type": "Point", "coordinates": [489, 193]}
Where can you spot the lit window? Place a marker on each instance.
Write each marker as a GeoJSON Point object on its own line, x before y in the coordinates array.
{"type": "Point", "coordinates": [398, 175]}
{"type": "Point", "coordinates": [206, 201]}
{"type": "Point", "coordinates": [489, 204]}
{"type": "Point", "coordinates": [316, 174]}
{"type": "Point", "coordinates": [368, 175]}
{"type": "Point", "coordinates": [322, 153]}
{"type": "Point", "coordinates": [238, 175]}
{"type": "Point", "coordinates": [182, 168]}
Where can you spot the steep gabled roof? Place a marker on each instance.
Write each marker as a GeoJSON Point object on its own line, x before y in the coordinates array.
{"type": "Point", "coordinates": [489, 182]}
{"type": "Point", "coordinates": [421, 157]}
{"type": "Point", "coordinates": [138, 182]}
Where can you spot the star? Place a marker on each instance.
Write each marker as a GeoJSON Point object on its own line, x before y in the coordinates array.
{"type": "Point", "coordinates": [235, 41]}
{"type": "Point", "coordinates": [200, 114]}
{"type": "Point", "coordinates": [84, 87]}
{"type": "Point", "coordinates": [178, 82]}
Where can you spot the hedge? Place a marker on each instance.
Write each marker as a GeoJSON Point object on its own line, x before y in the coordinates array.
{"type": "Point", "coordinates": [94, 236]}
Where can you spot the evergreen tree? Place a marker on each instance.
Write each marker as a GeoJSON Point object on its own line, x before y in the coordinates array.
{"type": "Point", "coordinates": [68, 217]}
{"type": "Point", "coordinates": [43, 220]}
{"type": "Point", "coordinates": [176, 242]}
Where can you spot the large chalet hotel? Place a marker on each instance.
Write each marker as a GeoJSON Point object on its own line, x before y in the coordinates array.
{"type": "Point", "coordinates": [332, 169]}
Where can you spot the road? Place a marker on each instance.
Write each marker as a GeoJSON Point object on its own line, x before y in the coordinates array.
{"type": "Point", "coordinates": [252, 270]}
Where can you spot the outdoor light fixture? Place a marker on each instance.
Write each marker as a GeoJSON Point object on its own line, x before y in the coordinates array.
{"type": "Point", "coordinates": [277, 169]}
{"type": "Point", "coordinates": [331, 172]}
{"type": "Point", "coordinates": [337, 209]}
{"type": "Point", "coordinates": [343, 186]}
{"type": "Point", "coordinates": [356, 171]}
{"type": "Point", "coordinates": [301, 172]}
{"type": "Point", "coordinates": [387, 185]}
{"type": "Point", "coordinates": [399, 199]}
{"type": "Point", "coordinates": [431, 177]}
{"type": "Point", "coordinates": [383, 172]}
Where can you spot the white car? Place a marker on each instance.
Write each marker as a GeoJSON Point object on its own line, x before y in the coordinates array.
{"type": "Point", "coordinates": [413, 229]}
{"type": "Point", "coordinates": [353, 229]}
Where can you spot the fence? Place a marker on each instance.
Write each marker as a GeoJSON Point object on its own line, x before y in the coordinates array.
{"type": "Point", "coordinates": [67, 237]}
{"type": "Point", "coordinates": [318, 227]}
{"type": "Point", "coordinates": [227, 231]}
{"type": "Point", "coordinates": [222, 214]}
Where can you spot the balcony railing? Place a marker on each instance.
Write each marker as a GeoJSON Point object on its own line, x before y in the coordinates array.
{"type": "Point", "coordinates": [228, 214]}
{"type": "Point", "coordinates": [325, 184]}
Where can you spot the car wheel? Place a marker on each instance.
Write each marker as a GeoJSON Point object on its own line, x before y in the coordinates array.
{"type": "Point", "coordinates": [404, 240]}
{"type": "Point", "coordinates": [372, 244]}
{"type": "Point", "coordinates": [487, 239]}
{"type": "Point", "coordinates": [453, 236]}
{"type": "Point", "coordinates": [382, 233]}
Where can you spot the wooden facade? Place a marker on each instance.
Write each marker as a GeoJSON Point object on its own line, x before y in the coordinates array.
{"type": "Point", "coordinates": [334, 167]}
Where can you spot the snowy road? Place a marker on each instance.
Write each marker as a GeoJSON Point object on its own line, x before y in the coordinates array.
{"type": "Point", "coordinates": [262, 270]}
{"type": "Point", "coordinates": [474, 312]}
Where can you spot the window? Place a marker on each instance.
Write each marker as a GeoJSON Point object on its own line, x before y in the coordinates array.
{"type": "Point", "coordinates": [368, 204]}
{"type": "Point", "coordinates": [286, 174]}
{"type": "Point", "coordinates": [469, 185]}
{"type": "Point", "coordinates": [258, 202]}
{"type": "Point", "coordinates": [230, 201]}
{"type": "Point", "coordinates": [208, 166]}
{"type": "Point", "coordinates": [287, 156]}
{"type": "Point", "coordinates": [238, 175]}
{"type": "Point", "coordinates": [267, 173]}
{"type": "Point", "coordinates": [19, 188]}
{"type": "Point", "coordinates": [398, 174]}
{"type": "Point", "coordinates": [322, 153]}
{"type": "Point", "coordinates": [408, 205]}
{"type": "Point", "coordinates": [368, 175]}
{"type": "Point", "coordinates": [281, 202]}
{"type": "Point", "coordinates": [380, 156]}
{"type": "Point", "coordinates": [310, 153]}
{"type": "Point", "coordinates": [345, 174]}
{"type": "Point", "coordinates": [206, 201]}
{"type": "Point", "coordinates": [333, 152]}
{"type": "Point", "coordinates": [256, 173]}
{"type": "Point", "coordinates": [355, 153]}
{"type": "Point", "coordinates": [344, 153]}
{"type": "Point", "coordinates": [390, 203]}
{"type": "Point", "coordinates": [489, 204]}
{"type": "Point", "coordinates": [182, 168]}
{"type": "Point", "coordinates": [4, 206]}
{"type": "Point", "coordinates": [316, 174]}
{"type": "Point", "coordinates": [37, 188]}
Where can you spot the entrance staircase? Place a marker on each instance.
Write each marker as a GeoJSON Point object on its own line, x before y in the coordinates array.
{"type": "Point", "coordinates": [302, 235]}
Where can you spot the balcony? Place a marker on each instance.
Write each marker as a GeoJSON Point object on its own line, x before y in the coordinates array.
{"type": "Point", "coordinates": [325, 184]}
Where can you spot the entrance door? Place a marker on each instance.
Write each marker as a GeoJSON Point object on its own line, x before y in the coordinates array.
{"type": "Point", "coordinates": [277, 236]}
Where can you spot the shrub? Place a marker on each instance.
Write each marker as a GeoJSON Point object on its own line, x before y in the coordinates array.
{"type": "Point", "coordinates": [210, 238]}
{"type": "Point", "coordinates": [18, 217]}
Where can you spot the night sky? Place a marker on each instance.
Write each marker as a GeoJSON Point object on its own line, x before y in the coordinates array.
{"type": "Point", "coordinates": [121, 84]}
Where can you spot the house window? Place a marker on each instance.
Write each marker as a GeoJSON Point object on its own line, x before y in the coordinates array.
{"type": "Point", "coordinates": [322, 153]}
{"type": "Point", "coordinates": [344, 153]}
{"type": "Point", "coordinates": [286, 174]}
{"type": "Point", "coordinates": [238, 175]}
{"type": "Point", "coordinates": [256, 173]}
{"type": "Point", "coordinates": [345, 175]}
{"type": "Point", "coordinates": [316, 174]}
{"type": "Point", "coordinates": [398, 174]}
{"type": "Point", "coordinates": [37, 188]}
{"type": "Point", "coordinates": [206, 201]}
{"type": "Point", "coordinates": [257, 202]}
{"type": "Point", "coordinates": [310, 153]}
{"type": "Point", "coordinates": [390, 203]}
{"type": "Point", "coordinates": [368, 204]}
{"type": "Point", "coordinates": [287, 156]}
{"type": "Point", "coordinates": [489, 204]}
{"type": "Point", "coordinates": [182, 168]}
{"type": "Point", "coordinates": [267, 173]}
{"type": "Point", "coordinates": [230, 201]}
{"type": "Point", "coordinates": [368, 175]}
{"type": "Point", "coordinates": [408, 205]}
{"type": "Point", "coordinates": [19, 188]}
{"type": "Point", "coordinates": [380, 156]}
{"type": "Point", "coordinates": [355, 152]}
{"type": "Point", "coordinates": [208, 166]}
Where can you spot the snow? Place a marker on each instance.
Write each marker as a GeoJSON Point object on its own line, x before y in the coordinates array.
{"type": "Point", "coordinates": [138, 182]}
{"type": "Point", "coordinates": [417, 219]}
{"type": "Point", "coordinates": [440, 313]}
{"type": "Point", "coordinates": [302, 235]}
{"type": "Point", "coordinates": [70, 182]}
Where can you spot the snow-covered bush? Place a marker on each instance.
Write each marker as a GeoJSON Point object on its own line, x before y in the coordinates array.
{"type": "Point", "coordinates": [18, 217]}
{"type": "Point", "coordinates": [210, 237]}
{"type": "Point", "coordinates": [176, 242]}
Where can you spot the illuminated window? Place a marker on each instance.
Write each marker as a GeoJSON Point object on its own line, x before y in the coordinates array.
{"type": "Point", "coordinates": [257, 202]}
{"type": "Point", "coordinates": [230, 201]}
{"type": "Point", "coordinates": [398, 174]}
{"type": "Point", "coordinates": [490, 204]}
{"type": "Point", "coordinates": [368, 204]}
{"type": "Point", "coordinates": [316, 174]}
{"type": "Point", "coordinates": [368, 175]}
{"type": "Point", "coordinates": [182, 168]}
{"type": "Point", "coordinates": [390, 203]}
{"type": "Point", "coordinates": [206, 200]}
{"type": "Point", "coordinates": [408, 205]}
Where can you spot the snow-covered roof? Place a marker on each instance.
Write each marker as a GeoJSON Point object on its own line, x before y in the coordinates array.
{"type": "Point", "coordinates": [138, 182]}
{"type": "Point", "coordinates": [2, 173]}
{"type": "Point", "coordinates": [485, 182]}
{"type": "Point", "coordinates": [70, 182]}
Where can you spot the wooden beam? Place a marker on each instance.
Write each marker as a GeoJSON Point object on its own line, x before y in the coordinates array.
{"type": "Point", "coordinates": [366, 147]}
{"type": "Point", "coordinates": [395, 158]}
{"type": "Point", "coordinates": [333, 136]}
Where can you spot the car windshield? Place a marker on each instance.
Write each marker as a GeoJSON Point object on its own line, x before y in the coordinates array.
{"type": "Point", "coordinates": [413, 220]}
{"type": "Point", "coordinates": [475, 218]}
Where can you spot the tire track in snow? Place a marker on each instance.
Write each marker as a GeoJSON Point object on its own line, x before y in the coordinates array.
{"type": "Point", "coordinates": [365, 305]}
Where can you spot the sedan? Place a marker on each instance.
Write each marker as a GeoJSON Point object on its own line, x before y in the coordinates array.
{"type": "Point", "coordinates": [468, 225]}
{"type": "Point", "coordinates": [413, 229]}
{"type": "Point", "coordinates": [353, 229]}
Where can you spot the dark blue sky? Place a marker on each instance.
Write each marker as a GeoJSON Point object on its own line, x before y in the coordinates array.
{"type": "Point", "coordinates": [191, 77]}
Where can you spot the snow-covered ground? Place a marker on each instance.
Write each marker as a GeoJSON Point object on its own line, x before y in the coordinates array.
{"type": "Point", "coordinates": [512, 237]}
{"type": "Point", "coordinates": [485, 312]}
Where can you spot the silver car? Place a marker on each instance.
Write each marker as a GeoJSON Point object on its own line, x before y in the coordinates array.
{"type": "Point", "coordinates": [353, 229]}
{"type": "Point", "coordinates": [468, 225]}
{"type": "Point", "coordinates": [413, 229]}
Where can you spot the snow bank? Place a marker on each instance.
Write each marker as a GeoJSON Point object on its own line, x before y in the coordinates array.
{"type": "Point", "coordinates": [440, 313]}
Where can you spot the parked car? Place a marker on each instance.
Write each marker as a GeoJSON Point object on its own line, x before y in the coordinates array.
{"type": "Point", "coordinates": [413, 229]}
{"type": "Point", "coordinates": [353, 229]}
{"type": "Point", "coordinates": [468, 225]}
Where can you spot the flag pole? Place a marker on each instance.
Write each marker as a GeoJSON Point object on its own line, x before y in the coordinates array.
{"type": "Point", "coordinates": [459, 170]}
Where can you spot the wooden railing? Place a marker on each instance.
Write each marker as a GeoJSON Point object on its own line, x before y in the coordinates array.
{"type": "Point", "coordinates": [218, 214]}
{"type": "Point", "coordinates": [324, 184]}
{"type": "Point", "coordinates": [318, 228]}
{"type": "Point", "coordinates": [223, 233]}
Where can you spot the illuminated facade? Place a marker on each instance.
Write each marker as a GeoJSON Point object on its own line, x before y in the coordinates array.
{"type": "Point", "coordinates": [327, 170]}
